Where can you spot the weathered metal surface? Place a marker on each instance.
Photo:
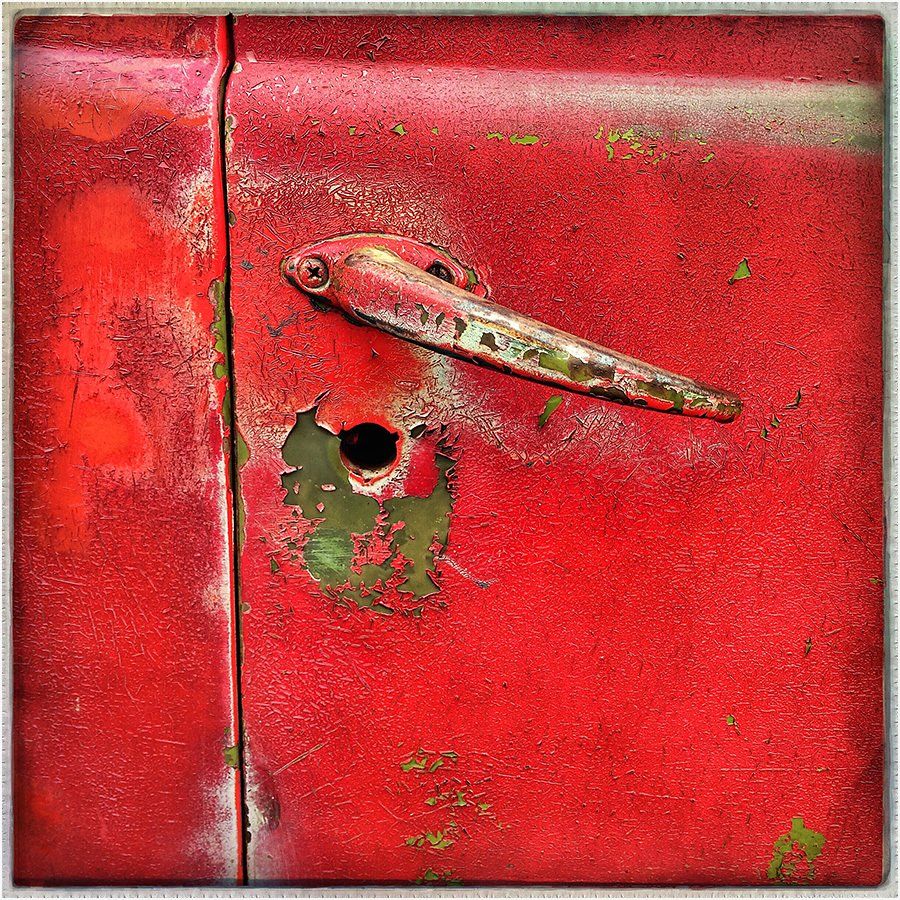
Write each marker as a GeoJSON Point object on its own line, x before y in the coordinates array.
{"type": "Point", "coordinates": [375, 286]}
{"type": "Point", "coordinates": [558, 640]}
{"type": "Point", "coordinates": [124, 712]}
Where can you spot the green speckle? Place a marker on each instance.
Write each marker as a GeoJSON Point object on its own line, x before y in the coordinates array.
{"type": "Point", "coordinates": [795, 403]}
{"type": "Point", "coordinates": [351, 129]}
{"type": "Point", "coordinates": [232, 756]}
{"type": "Point", "coordinates": [496, 136]}
{"type": "Point", "coordinates": [741, 272]}
{"type": "Point", "coordinates": [794, 854]}
{"type": "Point", "coordinates": [399, 129]}
{"type": "Point", "coordinates": [273, 565]}
{"type": "Point", "coordinates": [610, 152]}
{"type": "Point", "coordinates": [708, 158]}
{"type": "Point", "coordinates": [807, 647]}
{"type": "Point", "coordinates": [435, 130]}
{"type": "Point", "coordinates": [549, 408]}
{"type": "Point", "coordinates": [525, 139]}
{"type": "Point", "coordinates": [730, 720]}
{"type": "Point", "coordinates": [599, 134]}
{"type": "Point", "coordinates": [220, 370]}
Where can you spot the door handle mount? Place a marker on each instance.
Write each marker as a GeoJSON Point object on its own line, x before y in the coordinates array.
{"type": "Point", "coordinates": [420, 294]}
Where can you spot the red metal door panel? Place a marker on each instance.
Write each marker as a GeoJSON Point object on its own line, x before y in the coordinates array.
{"type": "Point", "coordinates": [123, 660]}
{"type": "Point", "coordinates": [619, 646]}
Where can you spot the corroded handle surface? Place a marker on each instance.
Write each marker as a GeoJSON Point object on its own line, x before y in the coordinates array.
{"type": "Point", "coordinates": [371, 283]}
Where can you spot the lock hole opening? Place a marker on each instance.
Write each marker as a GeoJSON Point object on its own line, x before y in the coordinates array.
{"type": "Point", "coordinates": [368, 448]}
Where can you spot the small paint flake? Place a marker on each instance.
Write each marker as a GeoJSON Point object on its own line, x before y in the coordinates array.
{"type": "Point", "coordinates": [496, 136]}
{"type": "Point", "coordinates": [549, 408]}
{"type": "Point", "coordinates": [730, 720]}
{"type": "Point", "coordinates": [741, 272]}
{"type": "Point", "coordinates": [435, 130]}
{"type": "Point", "coordinates": [795, 403]}
{"type": "Point", "coordinates": [351, 129]}
{"type": "Point", "coordinates": [708, 158]}
{"type": "Point", "coordinates": [232, 756]}
{"type": "Point", "coordinates": [414, 762]}
{"type": "Point", "coordinates": [526, 139]}
{"type": "Point", "coordinates": [599, 135]}
{"type": "Point", "coordinates": [399, 129]}
{"type": "Point", "coordinates": [273, 565]}
{"type": "Point", "coordinates": [807, 647]}
{"type": "Point", "coordinates": [610, 152]}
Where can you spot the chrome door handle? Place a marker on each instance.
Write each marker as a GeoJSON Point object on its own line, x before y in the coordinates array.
{"type": "Point", "coordinates": [422, 295]}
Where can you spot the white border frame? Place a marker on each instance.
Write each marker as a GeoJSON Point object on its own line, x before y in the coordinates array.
{"type": "Point", "coordinates": [887, 10]}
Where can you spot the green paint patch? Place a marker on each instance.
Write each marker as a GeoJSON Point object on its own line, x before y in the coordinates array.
{"type": "Point", "coordinates": [731, 720]}
{"type": "Point", "coordinates": [526, 139]}
{"type": "Point", "coordinates": [549, 408]}
{"type": "Point", "coordinates": [429, 876]}
{"type": "Point", "coordinates": [496, 136]}
{"type": "Point", "coordinates": [399, 129]}
{"type": "Point", "coordinates": [232, 756]}
{"type": "Point", "coordinates": [794, 854]}
{"type": "Point", "coordinates": [708, 158]}
{"type": "Point", "coordinates": [795, 403]}
{"type": "Point", "coordinates": [381, 556]}
{"type": "Point", "coordinates": [435, 130]}
{"type": "Point", "coordinates": [741, 272]}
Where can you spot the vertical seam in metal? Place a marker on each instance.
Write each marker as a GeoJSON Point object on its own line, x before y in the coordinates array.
{"type": "Point", "coordinates": [232, 437]}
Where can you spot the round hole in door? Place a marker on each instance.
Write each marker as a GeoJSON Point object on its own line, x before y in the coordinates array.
{"type": "Point", "coordinates": [368, 448]}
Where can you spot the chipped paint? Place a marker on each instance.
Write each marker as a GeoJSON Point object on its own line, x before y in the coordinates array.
{"type": "Point", "coordinates": [381, 554]}
{"type": "Point", "coordinates": [794, 854]}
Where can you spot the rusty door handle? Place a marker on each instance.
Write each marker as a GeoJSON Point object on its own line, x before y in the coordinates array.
{"type": "Point", "coordinates": [420, 294]}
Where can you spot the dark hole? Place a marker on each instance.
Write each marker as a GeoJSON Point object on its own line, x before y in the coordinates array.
{"type": "Point", "coordinates": [368, 447]}
{"type": "Point", "coordinates": [439, 270]}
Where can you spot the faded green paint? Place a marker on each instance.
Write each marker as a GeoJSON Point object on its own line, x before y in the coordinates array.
{"type": "Point", "coordinates": [218, 294]}
{"type": "Point", "coordinates": [361, 549]}
{"type": "Point", "coordinates": [526, 139]}
{"type": "Point", "coordinates": [399, 129]}
{"type": "Point", "coordinates": [794, 854]}
{"type": "Point", "coordinates": [560, 361]}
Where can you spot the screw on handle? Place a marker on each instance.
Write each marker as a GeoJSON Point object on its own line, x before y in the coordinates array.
{"type": "Point", "coordinates": [363, 276]}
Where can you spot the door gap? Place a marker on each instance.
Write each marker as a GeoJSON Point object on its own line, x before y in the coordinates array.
{"type": "Point", "coordinates": [233, 435]}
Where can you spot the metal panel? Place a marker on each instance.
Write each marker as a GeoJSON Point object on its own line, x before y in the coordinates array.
{"type": "Point", "coordinates": [123, 648]}
{"type": "Point", "coordinates": [599, 644]}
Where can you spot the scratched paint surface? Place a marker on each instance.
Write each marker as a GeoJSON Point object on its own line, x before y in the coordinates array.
{"type": "Point", "coordinates": [122, 622]}
{"type": "Point", "coordinates": [654, 653]}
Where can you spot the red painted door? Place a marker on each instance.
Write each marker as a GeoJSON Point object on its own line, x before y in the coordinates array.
{"type": "Point", "coordinates": [602, 644]}
{"type": "Point", "coordinates": [124, 712]}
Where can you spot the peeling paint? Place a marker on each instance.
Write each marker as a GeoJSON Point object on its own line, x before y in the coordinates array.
{"type": "Point", "coordinates": [380, 554]}
{"type": "Point", "coordinates": [794, 854]}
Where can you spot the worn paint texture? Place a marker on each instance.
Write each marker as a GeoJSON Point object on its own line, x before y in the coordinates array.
{"type": "Point", "coordinates": [614, 582]}
{"type": "Point", "coordinates": [122, 599]}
